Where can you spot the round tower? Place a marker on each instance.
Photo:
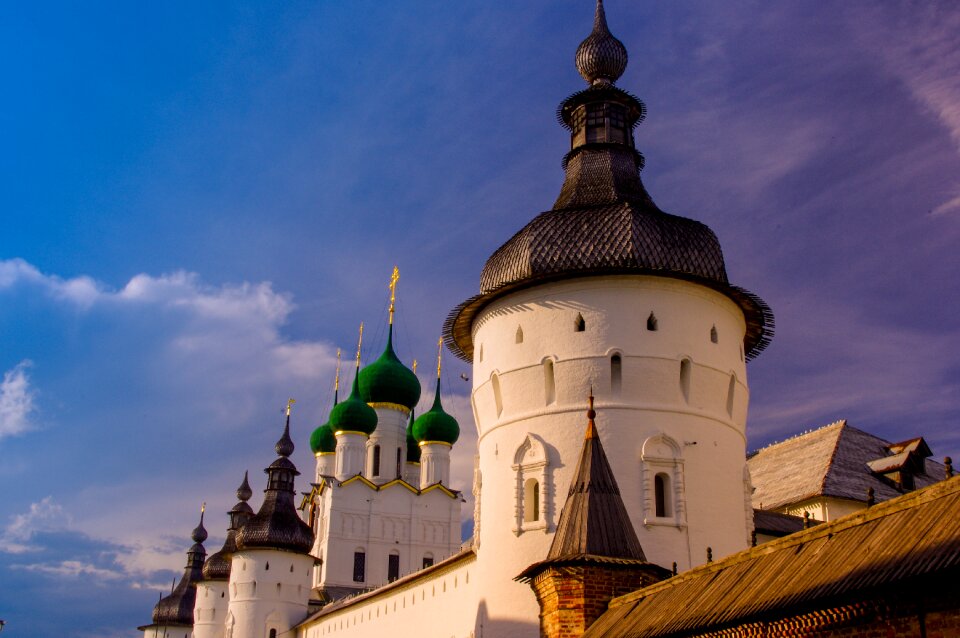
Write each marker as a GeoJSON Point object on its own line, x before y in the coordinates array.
{"type": "Point", "coordinates": [212, 603]}
{"type": "Point", "coordinates": [173, 615]}
{"type": "Point", "coordinates": [606, 290]}
{"type": "Point", "coordinates": [270, 571]}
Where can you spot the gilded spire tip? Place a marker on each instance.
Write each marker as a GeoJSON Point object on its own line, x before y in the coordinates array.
{"type": "Point", "coordinates": [394, 278]}
{"type": "Point", "coordinates": [439, 355]}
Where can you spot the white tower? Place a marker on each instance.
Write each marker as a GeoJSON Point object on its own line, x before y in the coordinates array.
{"type": "Point", "coordinates": [210, 610]}
{"type": "Point", "coordinates": [606, 290]}
{"type": "Point", "coordinates": [271, 569]}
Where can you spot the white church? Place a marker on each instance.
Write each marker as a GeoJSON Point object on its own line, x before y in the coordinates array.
{"type": "Point", "coordinates": [603, 299]}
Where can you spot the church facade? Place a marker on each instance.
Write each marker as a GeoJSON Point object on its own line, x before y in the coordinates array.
{"type": "Point", "coordinates": [603, 296]}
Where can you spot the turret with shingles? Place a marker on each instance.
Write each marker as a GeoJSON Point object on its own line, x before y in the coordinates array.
{"type": "Point", "coordinates": [595, 554]}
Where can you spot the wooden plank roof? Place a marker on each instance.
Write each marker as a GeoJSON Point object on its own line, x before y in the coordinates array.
{"type": "Point", "coordinates": [915, 535]}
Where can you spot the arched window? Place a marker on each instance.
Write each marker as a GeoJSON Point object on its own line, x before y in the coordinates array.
{"type": "Point", "coordinates": [530, 464]}
{"type": "Point", "coordinates": [531, 501]}
{"type": "Point", "coordinates": [616, 374]}
{"type": "Point", "coordinates": [663, 495]}
{"type": "Point", "coordinates": [497, 397]}
{"type": "Point", "coordinates": [273, 632]}
{"type": "Point", "coordinates": [481, 353]}
{"type": "Point", "coordinates": [549, 383]}
{"type": "Point", "coordinates": [393, 566]}
{"type": "Point", "coordinates": [685, 366]}
{"type": "Point", "coordinates": [713, 334]}
{"type": "Point", "coordinates": [579, 325]}
{"type": "Point", "coordinates": [652, 322]}
{"type": "Point", "coordinates": [376, 461]}
{"type": "Point", "coordinates": [359, 566]}
{"type": "Point", "coordinates": [661, 490]}
{"type": "Point", "coordinates": [519, 337]}
{"type": "Point", "coordinates": [399, 468]}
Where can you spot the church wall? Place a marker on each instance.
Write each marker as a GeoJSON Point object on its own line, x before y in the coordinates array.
{"type": "Point", "coordinates": [442, 603]}
{"type": "Point", "coordinates": [378, 523]}
{"type": "Point", "coordinates": [660, 417]}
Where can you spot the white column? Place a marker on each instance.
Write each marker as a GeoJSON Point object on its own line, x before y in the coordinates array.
{"type": "Point", "coordinates": [351, 449]}
{"type": "Point", "coordinates": [326, 465]}
{"type": "Point", "coordinates": [434, 463]}
{"type": "Point", "coordinates": [390, 435]}
{"type": "Point", "coordinates": [411, 473]}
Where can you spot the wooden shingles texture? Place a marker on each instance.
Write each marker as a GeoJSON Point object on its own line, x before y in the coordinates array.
{"type": "Point", "coordinates": [913, 537]}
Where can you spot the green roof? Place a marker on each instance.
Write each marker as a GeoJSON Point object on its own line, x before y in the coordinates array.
{"type": "Point", "coordinates": [353, 415]}
{"type": "Point", "coordinates": [322, 440]}
{"type": "Point", "coordinates": [435, 424]}
{"type": "Point", "coordinates": [387, 380]}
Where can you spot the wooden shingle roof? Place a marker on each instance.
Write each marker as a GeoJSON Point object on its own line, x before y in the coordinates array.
{"type": "Point", "coordinates": [829, 461]}
{"type": "Point", "coordinates": [915, 536]}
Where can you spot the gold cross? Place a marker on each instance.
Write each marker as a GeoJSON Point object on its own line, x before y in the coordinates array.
{"type": "Point", "coordinates": [394, 278]}
{"type": "Point", "coordinates": [336, 380]}
{"type": "Point", "coordinates": [290, 402]}
{"type": "Point", "coordinates": [359, 343]}
{"type": "Point", "coordinates": [439, 353]}
{"type": "Point", "coordinates": [414, 366]}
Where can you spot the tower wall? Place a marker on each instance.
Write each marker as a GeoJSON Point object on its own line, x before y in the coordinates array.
{"type": "Point", "coordinates": [534, 364]}
{"type": "Point", "coordinates": [350, 454]}
{"type": "Point", "coordinates": [269, 589]}
{"type": "Point", "coordinates": [210, 610]}
{"type": "Point", "coordinates": [434, 463]}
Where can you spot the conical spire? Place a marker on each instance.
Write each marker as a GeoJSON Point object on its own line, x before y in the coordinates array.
{"type": "Point", "coordinates": [200, 532]}
{"type": "Point", "coordinates": [435, 425]}
{"type": "Point", "coordinates": [601, 58]}
{"type": "Point", "coordinates": [284, 446]}
{"type": "Point", "coordinates": [244, 492]}
{"type": "Point", "coordinates": [594, 520]}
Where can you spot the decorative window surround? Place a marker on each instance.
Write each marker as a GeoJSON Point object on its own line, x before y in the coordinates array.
{"type": "Point", "coordinates": [530, 462]}
{"type": "Point", "coordinates": [661, 455]}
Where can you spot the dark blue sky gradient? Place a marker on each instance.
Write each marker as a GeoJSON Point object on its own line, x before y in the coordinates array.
{"type": "Point", "coordinates": [200, 202]}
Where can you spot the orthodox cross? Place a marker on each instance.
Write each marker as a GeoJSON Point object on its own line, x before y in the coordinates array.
{"type": "Point", "coordinates": [439, 354]}
{"type": "Point", "coordinates": [394, 278]}
{"type": "Point", "coordinates": [290, 402]}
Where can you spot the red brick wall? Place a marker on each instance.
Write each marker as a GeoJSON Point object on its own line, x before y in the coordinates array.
{"type": "Point", "coordinates": [572, 597]}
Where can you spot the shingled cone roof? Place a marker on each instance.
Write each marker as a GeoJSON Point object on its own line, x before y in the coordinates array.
{"type": "Point", "coordinates": [594, 525]}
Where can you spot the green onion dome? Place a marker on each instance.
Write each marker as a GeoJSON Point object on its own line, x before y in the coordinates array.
{"type": "Point", "coordinates": [435, 424]}
{"type": "Point", "coordinates": [387, 380]}
{"type": "Point", "coordinates": [353, 415]}
{"type": "Point", "coordinates": [322, 440]}
{"type": "Point", "coordinates": [413, 449]}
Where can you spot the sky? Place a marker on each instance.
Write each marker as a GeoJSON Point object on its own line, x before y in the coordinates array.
{"type": "Point", "coordinates": [200, 203]}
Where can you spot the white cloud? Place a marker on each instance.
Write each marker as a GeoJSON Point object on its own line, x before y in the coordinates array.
{"type": "Point", "coordinates": [16, 400]}
{"type": "Point", "coordinates": [72, 569]}
{"type": "Point", "coordinates": [45, 515]}
{"type": "Point", "coordinates": [946, 207]}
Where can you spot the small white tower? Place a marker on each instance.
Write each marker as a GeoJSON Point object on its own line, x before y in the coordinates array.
{"type": "Point", "coordinates": [271, 568]}
{"type": "Point", "coordinates": [352, 422]}
{"type": "Point", "coordinates": [323, 443]}
{"type": "Point", "coordinates": [210, 610]}
{"type": "Point", "coordinates": [436, 431]}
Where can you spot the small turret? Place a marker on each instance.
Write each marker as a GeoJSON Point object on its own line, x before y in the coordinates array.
{"type": "Point", "coordinates": [436, 431]}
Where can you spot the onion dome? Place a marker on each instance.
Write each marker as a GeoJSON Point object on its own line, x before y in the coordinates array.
{"type": "Point", "coordinates": [177, 608]}
{"type": "Point", "coordinates": [322, 441]}
{"type": "Point", "coordinates": [353, 414]}
{"type": "Point", "coordinates": [435, 425]}
{"type": "Point", "coordinates": [601, 58]}
{"type": "Point", "coordinates": [413, 450]}
{"type": "Point", "coordinates": [604, 222]}
{"type": "Point", "coordinates": [217, 567]}
{"type": "Point", "coordinates": [387, 380]}
{"type": "Point", "coordinates": [277, 525]}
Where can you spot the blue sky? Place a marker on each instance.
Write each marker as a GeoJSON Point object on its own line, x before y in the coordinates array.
{"type": "Point", "coordinates": [200, 203]}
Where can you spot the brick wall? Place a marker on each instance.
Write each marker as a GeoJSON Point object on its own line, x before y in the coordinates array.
{"type": "Point", "coordinates": [572, 597]}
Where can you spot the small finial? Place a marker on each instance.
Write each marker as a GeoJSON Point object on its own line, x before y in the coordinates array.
{"type": "Point", "coordinates": [591, 415]}
{"type": "Point", "coordinates": [601, 58]}
{"type": "Point", "coordinates": [284, 446]}
{"type": "Point", "coordinates": [948, 466]}
{"type": "Point", "coordinates": [709, 554]}
{"type": "Point", "coordinates": [200, 533]}
{"type": "Point", "coordinates": [394, 278]}
{"type": "Point", "coordinates": [806, 520]}
{"type": "Point", "coordinates": [753, 538]}
{"type": "Point", "coordinates": [336, 379]}
{"type": "Point", "coordinates": [439, 354]}
{"type": "Point", "coordinates": [674, 568]}
{"type": "Point", "coordinates": [414, 366]}
{"type": "Point", "coordinates": [359, 345]}
{"type": "Point", "coordinates": [244, 492]}
{"type": "Point", "coordinates": [871, 501]}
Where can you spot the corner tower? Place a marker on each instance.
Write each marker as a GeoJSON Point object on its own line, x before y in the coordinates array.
{"type": "Point", "coordinates": [607, 289]}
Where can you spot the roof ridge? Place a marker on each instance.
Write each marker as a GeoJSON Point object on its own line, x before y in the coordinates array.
{"type": "Point", "coordinates": [924, 495]}
{"type": "Point", "coordinates": [800, 435]}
